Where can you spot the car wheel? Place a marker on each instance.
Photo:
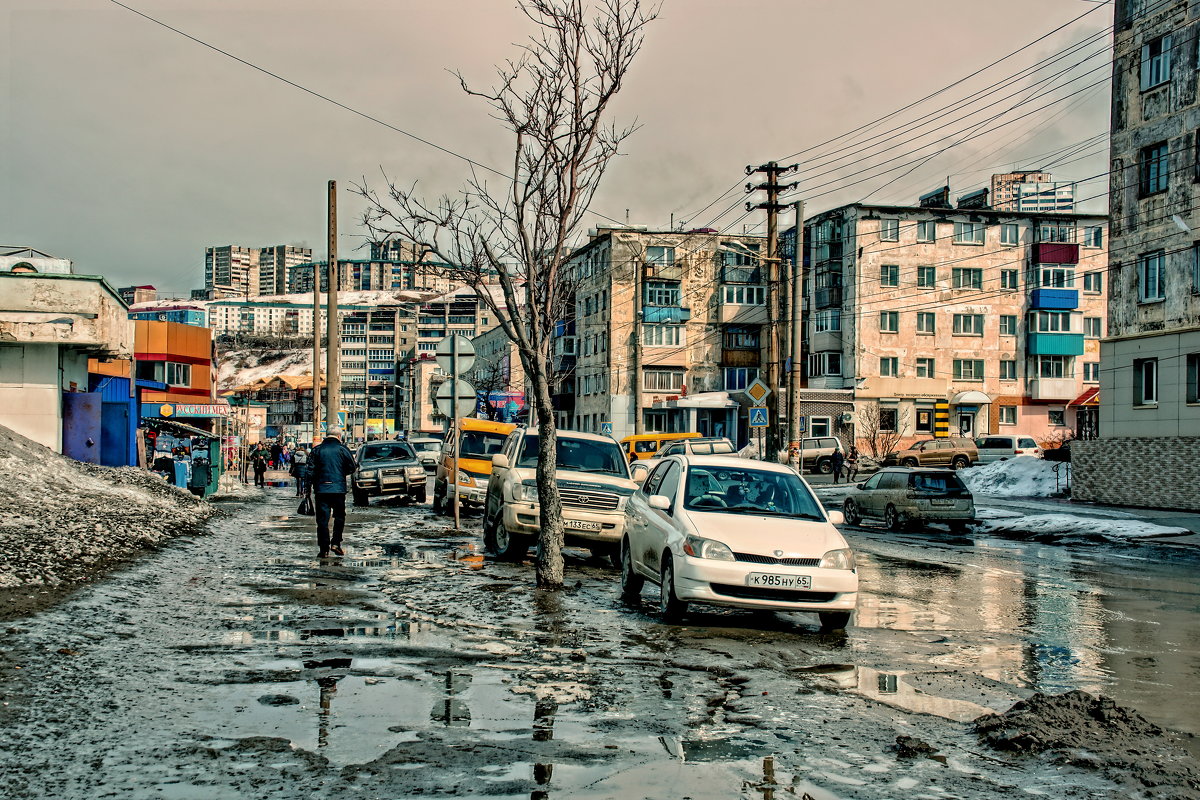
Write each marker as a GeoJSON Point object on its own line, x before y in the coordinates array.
{"type": "Point", "coordinates": [824, 466]}
{"type": "Point", "coordinates": [850, 512]}
{"type": "Point", "coordinates": [360, 498]}
{"type": "Point", "coordinates": [958, 528]}
{"type": "Point", "coordinates": [670, 607]}
{"type": "Point", "coordinates": [960, 462]}
{"type": "Point", "coordinates": [421, 496]}
{"type": "Point", "coordinates": [631, 581]}
{"type": "Point", "coordinates": [607, 552]}
{"type": "Point", "coordinates": [891, 519]}
{"type": "Point", "coordinates": [437, 501]}
{"type": "Point", "coordinates": [834, 620]}
{"type": "Point", "coordinates": [507, 546]}
{"type": "Point", "coordinates": [909, 462]}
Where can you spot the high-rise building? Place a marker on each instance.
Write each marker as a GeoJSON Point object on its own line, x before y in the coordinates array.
{"type": "Point", "coordinates": [1031, 193]}
{"type": "Point", "coordinates": [275, 264]}
{"type": "Point", "coordinates": [231, 271]}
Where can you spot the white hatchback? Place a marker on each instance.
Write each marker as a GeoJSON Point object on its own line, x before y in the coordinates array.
{"type": "Point", "coordinates": [735, 532]}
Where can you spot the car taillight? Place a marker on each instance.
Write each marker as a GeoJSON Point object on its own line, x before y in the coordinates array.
{"type": "Point", "coordinates": [1020, 452]}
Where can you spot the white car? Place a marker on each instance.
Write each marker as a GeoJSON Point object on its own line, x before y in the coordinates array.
{"type": "Point", "coordinates": [736, 532]}
{"type": "Point", "coordinates": [428, 449]}
{"type": "Point", "coordinates": [1001, 448]}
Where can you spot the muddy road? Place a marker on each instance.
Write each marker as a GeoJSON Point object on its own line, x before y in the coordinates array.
{"type": "Point", "coordinates": [237, 665]}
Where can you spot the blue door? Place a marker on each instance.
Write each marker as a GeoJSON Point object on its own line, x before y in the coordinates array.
{"type": "Point", "coordinates": [81, 426]}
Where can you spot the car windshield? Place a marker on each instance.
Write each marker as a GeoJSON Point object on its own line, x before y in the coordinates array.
{"type": "Point", "coordinates": [392, 451]}
{"type": "Point", "coordinates": [936, 482]}
{"type": "Point", "coordinates": [580, 455]}
{"type": "Point", "coordinates": [749, 491]}
{"type": "Point", "coordinates": [424, 447]}
{"type": "Point", "coordinates": [480, 444]}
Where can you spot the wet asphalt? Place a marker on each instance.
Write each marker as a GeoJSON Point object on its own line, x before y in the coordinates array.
{"type": "Point", "coordinates": [236, 665]}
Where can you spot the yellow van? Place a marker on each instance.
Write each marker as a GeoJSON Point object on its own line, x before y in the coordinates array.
{"type": "Point", "coordinates": [478, 441]}
{"type": "Point", "coordinates": [646, 445]}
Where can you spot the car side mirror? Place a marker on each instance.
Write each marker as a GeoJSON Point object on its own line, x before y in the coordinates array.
{"type": "Point", "coordinates": [836, 517]}
{"type": "Point", "coordinates": [660, 501]}
{"type": "Point", "coordinates": [500, 460]}
{"type": "Point", "coordinates": [860, 485]}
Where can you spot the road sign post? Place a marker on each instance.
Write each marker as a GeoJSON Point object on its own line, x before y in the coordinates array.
{"type": "Point", "coordinates": [455, 398]}
{"type": "Point", "coordinates": [759, 418]}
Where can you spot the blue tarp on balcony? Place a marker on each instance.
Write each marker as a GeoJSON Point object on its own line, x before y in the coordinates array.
{"type": "Point", "coordinates": [1055, 344]}
{"type": "Point", "coordinates": [1054, 298]}
{"type": "Point", "coordinates": [665, 314]}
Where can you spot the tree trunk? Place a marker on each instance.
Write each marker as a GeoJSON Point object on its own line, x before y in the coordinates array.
{"type": "Point", "coordinates": [550, 536]}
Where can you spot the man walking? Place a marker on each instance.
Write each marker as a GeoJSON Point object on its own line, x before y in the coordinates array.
{"type": "Point", "coordinates": [836, 461]}
{"type": "Point", "coordinates": [328, 465]}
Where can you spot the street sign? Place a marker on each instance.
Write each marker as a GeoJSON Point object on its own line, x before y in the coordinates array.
{"type": "Point", "coordinates": [758, 417]}
{"type": "Point", "coordinates": [466, 354]}
{"type": "Point", "coordinates": [456, 398]}
{"type": "Point", "coordinates": [606, 429]}
{"type": "Point", "coordinates": [757, 391]}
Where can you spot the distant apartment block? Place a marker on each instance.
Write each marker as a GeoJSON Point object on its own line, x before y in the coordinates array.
{"type": "Point", "coordinates": [1031, 193]}
{"type": "Point", "coordinates": [275, 265]}
{"type": "Point", "coordinates": [236, 271]}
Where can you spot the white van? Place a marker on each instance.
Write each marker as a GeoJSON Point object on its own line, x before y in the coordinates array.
{"type": "Point", "coordinates": [1002, 448]}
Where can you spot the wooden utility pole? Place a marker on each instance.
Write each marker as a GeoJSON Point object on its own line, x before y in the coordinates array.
{"type": "Point", "coordinates": [333, 378]}
{"type": "Point", "coordinates": [635, 375]}
{"type": "Point", "coordinates": [316, 366]}
{"type": "Point", "coordinates": [796, 304]}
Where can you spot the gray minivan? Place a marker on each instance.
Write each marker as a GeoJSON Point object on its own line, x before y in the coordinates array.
{"type": "Point", "coordinates": [1002, 448]}
{"type": "Point", "coordinates": [904, 497]}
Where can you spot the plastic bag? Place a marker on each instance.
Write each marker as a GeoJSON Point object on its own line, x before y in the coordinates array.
{"type": "Point", "coordinates": [307, 507]}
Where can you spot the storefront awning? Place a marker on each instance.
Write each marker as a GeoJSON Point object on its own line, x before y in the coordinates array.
{"type": "Point", "coordinates": [970, 398]}
{"type": "Point", "coordinates": [701, 400]}
{"type": "Point", "coordinates": [1091, 397]}
{"type": "Point", "coordinates": [178, 428]}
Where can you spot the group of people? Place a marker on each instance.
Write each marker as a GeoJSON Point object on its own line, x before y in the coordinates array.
{"type": "Point", "coordinates": [276, 456]}
{"type": "Point", "coordinates": [844, 463]}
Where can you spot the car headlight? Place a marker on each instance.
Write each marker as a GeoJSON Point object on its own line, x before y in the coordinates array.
{"type": "Point", "coordinates": [526, 492]}
{"type": "Point", "coordinates": [369, 473]}
{"type": "Point", "coordinates": [838, 559]}
{"type": "Point", "coordinates": [465, 479]}
{"type": "Point", "coordinates": [700, 547]}
{"type": "Point", "coordinates": [416, 470]}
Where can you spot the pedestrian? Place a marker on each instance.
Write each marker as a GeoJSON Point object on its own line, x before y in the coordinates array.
{"type": "Point", "coordinates": [276, 451]}
{"type": "Point", "coordinates": [852, 464]}
{"type": "Point", "coordinates": [328, 466]}
{"type": "Point", "coordinates": [260, 469]}
{"type": "Point", "coordinates": [299, 464]}
{"type": "Point", "coordinates": [836, 461]}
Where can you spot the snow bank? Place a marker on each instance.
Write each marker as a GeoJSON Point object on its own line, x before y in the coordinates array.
{"type": "Point", "coordinates": [1016, 477]}
{"type": "Point", "coordinates": [62, 521]}
{"type": "Point", "coordinates": [230, 487]}
{"type": "Point", "coordinates": [1070, 525]}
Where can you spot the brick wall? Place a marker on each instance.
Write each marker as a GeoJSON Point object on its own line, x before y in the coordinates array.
{"type": "Point", "coordinates": [1153, 473]}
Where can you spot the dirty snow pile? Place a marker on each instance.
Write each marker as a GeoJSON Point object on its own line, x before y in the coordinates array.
{"type": "Point", "coordinates": [1016, 477]}
{"type": "Point", "coordinates": [231, 487]}
{"type": "Point", "coordinates": [1067, 525]}
{"type": "Point", "coordinates": [239, 367]}
{"type": "Point", "coordinates": [62, 521]}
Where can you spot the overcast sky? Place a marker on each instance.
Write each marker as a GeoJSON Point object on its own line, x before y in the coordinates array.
{"type": "Point", "coordinates": [129, 149]}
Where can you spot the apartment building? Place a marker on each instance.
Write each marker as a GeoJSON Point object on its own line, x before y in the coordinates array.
{"type": "Point", "coordinates": [372, 275]}
{"type": "Point", "coordinates": [998, 314]}
{"type": "Point", "coordinates": [1031, 193]}
{"type": "Point", "coordinates": [498, 376]}
{"type": "Point", "coordinates": [668, 329]}
{"type": "Point", "coordinates": [1150, 362]}
{"type": "Point", "coordinates": [275, 265]}
{"type": "Point", "coordinates": [373, 340]}
{"type": "Point", "coordinates": [230, 271]}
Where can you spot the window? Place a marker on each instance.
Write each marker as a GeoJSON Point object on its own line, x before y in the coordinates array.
{"type": "Point", "coordinates": [924, 421]}
{"type": "Point", "coordinates": [738, 378]}
{"type": "Point", "coordinates": [662, 335]}
{"type": "Point", "coordinates": [744, 295]}
{"type": "Point", "coordinates": [926, 277]}
{"type": "Point", "coordinates": [926, 230]}
{"type": "Point", "coordinates": [825, 364]}
{"type": "Point", "coordinates": [926, 322]}
{"type": "Point", "coordinates": [1010, 279]}
{"type": "Point", "coordinates": [1093, 282]}
{"type": "Point", "coordinates": [1056, 416]}
{"type": "Point", "coordinates": [1008, 325]}
{"type": "Point", "coordinates": [966, 278]}
{"type": "Point", "coordinates": [968, 233]}
{"type": "Point", "coordinates": [1051, 321]}
{"type": "Point", "coordinates": [1150, 277]}
{"type": "Point", "coordinates": [179, 374]}
{"type": "Point", "coordinates": [1008, 370]}
{"type": "Point", "coordinates": [968, 324]}
{"type": "Point", "coordinates": [1008, 415]}
{"type": "Point", "coordinates": [1056, 366]}
{"type": "Point", "coordinates": [1058, 276]}
{"type": "Point", "coordinates": [738, 254]}
{"type": "Point", "coordinates": [889, 230]}
{"type": "Point", "coordinates": [1057, 232]}
{"type": "Point", "coordinates": [889, 367]}
{"type": "Point", "coordinates": [888, 419]}
{"type": "Point", "coordinates": [1091, 371]}
{"type": "Point", "coordinates": [829, 319]}
{"type": "Point", "coordinates": [1156, 62]}
{"type": "Point", "coordinates": [1093, 236]}
{"type": "Point", "coordinates": [968, 369]}
{"type": "Point", "coordinates": [925, 367]}
{"type": "Point", "coordinates": [889, 275]}
{"type": "Point", "coordinates": [741, 338]}
{"type": "Point", "coordinates": [661, 256]}
{"type": "Point", "coordinates": [1153, 169]}
{"type": "Point", "coordinates": [1010, 234]}
{"type": "Point", "coordinates": [1145, 381]}
{"type": "Point", "coordinates": [1092, 327]}
{"type": "Point", "coordinates": [663, 293]}
{"type": "Point", "coordinates": [889, 321]}
{"type": "Point", "coordinates": [662, 380]}
{"type": "Point", "coordinates": [820, 426]}
{"type": "Point", "coordinates": [1193, 378]}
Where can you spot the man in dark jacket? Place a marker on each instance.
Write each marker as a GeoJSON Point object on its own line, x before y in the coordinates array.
{"type": "Point", "coordinates": [328, 466]}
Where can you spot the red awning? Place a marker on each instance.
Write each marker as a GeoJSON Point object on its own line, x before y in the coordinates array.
{"type": "Point", "coordinates": [1090, 397]}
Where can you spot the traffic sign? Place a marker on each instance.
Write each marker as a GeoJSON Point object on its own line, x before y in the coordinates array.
{"type": "Point", "coordinates": [758, 417]}
{"type": "Point", "coordinates": [456, 398]}
{"type": "Point", "coordinates": [606, 429]}
{"type": "Point", "coordinates": [758, 391]}
{"type": "Point", "coordinates": [445, 354]}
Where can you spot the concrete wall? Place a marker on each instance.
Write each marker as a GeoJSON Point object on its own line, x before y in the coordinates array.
{"type": "Point", "coordinates": [77, 310]}
{"type": "Point", "coordinates": [1172, 415]}
{"type": "Point", "coordinates": [1151, 472]}
{"type": "Point", "coordinates": [31, 388]}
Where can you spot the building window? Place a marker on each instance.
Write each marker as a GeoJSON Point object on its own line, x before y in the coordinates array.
{"type": "Point", "coordinates": [829, 319]}
{"type": "Point", "coordinates": [966, 278]}
{"type": "Point", "coordinates": [889, 321]}
{"type": "Point", "coordinates": [968, 233]}
{"type": "Point", "coordinates": [1008, 325]}
{"type": "Point", "coordinates": [889, 367]}
{"type": "Point", "coordinates": [1056, 366]}
{"type": "Point", "coordinates": [1056, 416]}
{"type": "Point", "coordinates": [1092, 327]}
{"type": "Point", "coordinates": [1153, 169]}
{"type": "Point", "coordinates": [1091, 371]}
{"type": "Point", "coordinates": [1008, 370]}
{"type": "Point", "coordinates": [925, 367]}
{"type": "Point", "coordinates": [179, 374]}
{"type": "Point", "coordinates": [889, 275]}
{"type": "Point", "coordinates": [1008, 415]}
{"type": "Point", "coordinates": [926, 322]}
{"type": "Point", "coordinates": [741, 295]}
{"type": "Point", "coordinates": [1010, 279]}
{"type": "Point", "coordinates": [924, 421]}
{"type": "Point", "coordinates": [926, 277]}
{"type": "Point", "coordinates": [926, 230]}
{"type": "Point", "coordinates": [1050, 321]}
{"type": "Point", "coordinates": [968, 369]}
{"type": "Point", "coordinates": [663, 335]}
{"type": "Point", "coordinates": [741, 338]}
{"type": "Point", "coordinates": [1010, 234]}
{"type": "Point", "coordinates": [1093, 236]}
{"type": "Point", "coordinates": [825, 364]}
{"type": "Point", "coordinates": [1057, 276]}
{"type": "Point", "coordinates": [1156, 62]}
{"type": "Point", "coordinates": [1150, 277]}
{"type": "Point", "coordinates": [662, 380]}
{"type": "Point", "coordinates": [889, 230]}
{"type": "Point", "coordinates": [738, 378]}
{"type": "Point", "coordinates": [663, 293]}
{"type": "Point", "coordinates": [968, 324]}
{"type": "Point", "coordinates": [1093, 282]}
{"type": "Point", "coordinates": [1145, 381]}
{"type": "Point", "coordinates": [888, 419]}
{"type": "Point", "coordinates": [1057, 232]}
{"type": "Point", "coordinates": [738, 254]}
{"type": "Point", "coordinates": [820, 426]}
{"type": "Point", "coordinates": [660, 256]}
{"type": "Point", "coordinates": [1193, 377]}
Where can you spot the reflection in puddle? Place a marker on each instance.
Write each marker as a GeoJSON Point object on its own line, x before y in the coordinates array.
{"type": "Point", "coordinates": [901, 690]}
{"type": "Point", "coordinates": [381, 626]}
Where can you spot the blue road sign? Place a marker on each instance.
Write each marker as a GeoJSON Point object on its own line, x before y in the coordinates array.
{"type": "Point", "coordinates": [758, 417]}
{"type": "Point", "coordinates": [606, 429]}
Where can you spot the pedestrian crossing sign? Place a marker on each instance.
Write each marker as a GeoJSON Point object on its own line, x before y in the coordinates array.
{"type": "Point", "coordinates": [758, 417]}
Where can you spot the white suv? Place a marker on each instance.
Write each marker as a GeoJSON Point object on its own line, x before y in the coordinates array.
{"type": "Point", "coordinates": [593, 485]}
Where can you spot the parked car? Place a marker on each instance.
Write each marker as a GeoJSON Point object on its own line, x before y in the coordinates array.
{"type": "Point", "coordinates": [386, 468]}
{"type": "Point", "coordinates": [428, 449]}
{"type": "Point", "coordinates": [478, 441]}
{"type": "Point", "coordinates": [593, 485]}
{"type": "Point", "coordinates": [646, 445]}
{"type": "Point", "coordinates": [1002, 448]}
{"type": "Point", "coordinates": [954, 452]}
{"type": "Point", "coordinates": [816, 453]}
{"type": "Point", "coordinates": [903, 497]}
{"type": "Point", "coordinates": [698, 446]}
{"type": "Point", "coordinates": [736, 532]}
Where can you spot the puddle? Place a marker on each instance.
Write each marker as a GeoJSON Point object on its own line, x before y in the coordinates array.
{"type": "Point", "coordinates": [941, 694]}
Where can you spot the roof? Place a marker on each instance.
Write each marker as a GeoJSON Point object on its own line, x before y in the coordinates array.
{"type": "Point", "coordinates": [901, 209]}
{"type": "Point", "coordinates": [734, 462]}
{"type": "Point", "coordinates": [1090, 397]}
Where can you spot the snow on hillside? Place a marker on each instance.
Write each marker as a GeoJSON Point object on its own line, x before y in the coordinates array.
{"type": "Point", "coordinates": [1016, 477]}
{"type": "Point", "coordinates": [345, 298]}
{"type": "Point", "coordinates": [238, 367]}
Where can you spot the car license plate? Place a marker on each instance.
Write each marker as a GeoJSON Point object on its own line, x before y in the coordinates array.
{"type": "Point", "coordinates": [942, 502]}
{"type": "Point", "coordinates": [581, 525]}
{"type": "Point", "coordinates": [768, 581]}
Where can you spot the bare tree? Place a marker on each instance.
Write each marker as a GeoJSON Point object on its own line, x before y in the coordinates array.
{"type": "Point", "coordinates": [493, 377]}
{"type": "Point", "coordinates": [881, 429]}
{"type": "Point", "coordinates": [553, 98]}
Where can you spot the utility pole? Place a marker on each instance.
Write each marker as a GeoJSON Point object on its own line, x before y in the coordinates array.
{"type": "Point", "coordinates": [635, 375]}
{"type": "Point", "coordinates": [316, 367]}
{"type": "Point", "coordinates": [773, 172]}
{"type": "Point", "coordinates": [796, 306]}
{"type": "Point", "coordinates": [333, 388]}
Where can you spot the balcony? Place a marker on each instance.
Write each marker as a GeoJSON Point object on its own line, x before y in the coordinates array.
{"type": "Point", "coordinates": [1055, 344]}
{"type": "Point", "coordinates": [1053, 388]}
{"type": "Point", "coordinates": [829, 298]}
{"type": "Point", "coordinates": [1062, 299]}
{"type": "Point", "coordinates": [742, 314]}
{"type": "Point", "coordinates": [656, 271]}
{"type": "Point", "coordinates": [657, 315]}
{"type": "Point", "coordinates": [1055, 253]}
